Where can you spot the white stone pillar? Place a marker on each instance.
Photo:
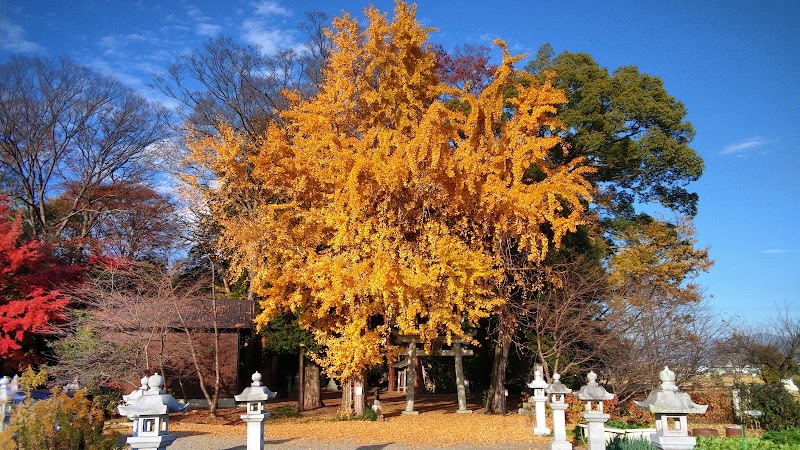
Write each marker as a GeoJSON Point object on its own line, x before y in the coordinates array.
{"type": "Point", "coordinates": [560, 441]}
{"type": "Point", "coordinates": [595, 427]}
{"type": "Point", "coordinates": [5, 402]}
{"type": "Point", "coordinates": [255, 430]}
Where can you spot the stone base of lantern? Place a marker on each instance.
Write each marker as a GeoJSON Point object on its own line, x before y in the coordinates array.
{"type": "Point", "coordinates": [673, 442]}
{"type": "Point", "coordinates": [595, 424]}
{"type": "Point", "coordinates": [541, 431]}
{"type": "Point", "coordinates": [561, 445]}
{"type": "Point", "coordinates": [255, 430]}
{"type": "Point", "coordinates": [151, 442]}
{"type": "Point", "coordinates": [464, 411]}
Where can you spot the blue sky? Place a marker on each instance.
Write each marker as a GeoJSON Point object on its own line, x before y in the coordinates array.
{"type": "Point", "coordinates": [733, 63]}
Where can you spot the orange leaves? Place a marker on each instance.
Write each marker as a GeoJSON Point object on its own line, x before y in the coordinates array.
{"type": "Point", "coordinates": [381, 208]}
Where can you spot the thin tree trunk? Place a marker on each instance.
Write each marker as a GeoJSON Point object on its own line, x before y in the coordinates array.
{"type": "Point", "coordinates": [212, 408]}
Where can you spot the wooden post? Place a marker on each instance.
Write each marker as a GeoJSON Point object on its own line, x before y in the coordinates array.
{"type": "Point", "coordinates": [418, 381]}
{"type": "Point", "coordinates": [392, 378]}
{"type": "Point", "coordinates": [301, 382]}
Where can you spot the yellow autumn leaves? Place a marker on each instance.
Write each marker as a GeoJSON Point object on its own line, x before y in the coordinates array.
{"type": "Point", "coordinates": [376, 207]}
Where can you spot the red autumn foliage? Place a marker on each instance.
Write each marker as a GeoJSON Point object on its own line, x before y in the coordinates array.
{"type": "Point", "coordinates": [30, 302]}
{"type": "Point", "coordinates": [467, 64]}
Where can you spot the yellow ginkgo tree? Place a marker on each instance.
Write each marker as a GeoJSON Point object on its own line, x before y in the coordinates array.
{"type": "Point", "coordinates": [381, 207]}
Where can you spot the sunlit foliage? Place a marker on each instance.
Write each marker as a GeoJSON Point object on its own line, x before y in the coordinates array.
{"type": "Point", "coordinates": [378, 208]}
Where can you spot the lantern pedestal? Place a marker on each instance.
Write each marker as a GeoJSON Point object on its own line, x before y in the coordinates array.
{"type": "Point", "coordinates": [560, 427]}
{"type": "Point", "coordinates": [595, 429]}
{"type": "Point", "coordinates": [151, 442]}
{"type": "Point", "coordinates": [255, 430]}
{"type": "Point", "coordinates": [673, 442]}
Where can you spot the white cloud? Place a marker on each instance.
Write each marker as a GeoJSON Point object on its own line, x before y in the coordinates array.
{"type": "Point", "coordinates": [195, 13]}
{"type": "Point", "coordinates": [268, 41]}
{"type": "Point", "coordinates": [775, 251]}
{"type": "Point", "coordinates": [208, 29]}
{"type": "Point", "coordinates": [12, 38]}
{"type": "Point", "coordinates": [744, 146]}
{"type": "Point", "coordinates": [270, 8]}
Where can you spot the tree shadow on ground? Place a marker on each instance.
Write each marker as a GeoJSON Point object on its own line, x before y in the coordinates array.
{"type": "Point", "coordinates": [373, 447]}
{"type": "Point", "coordinates": [274, 442]}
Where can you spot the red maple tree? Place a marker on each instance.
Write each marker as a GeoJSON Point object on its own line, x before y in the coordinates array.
{"type": "Point", "coordinates": [30, 274]}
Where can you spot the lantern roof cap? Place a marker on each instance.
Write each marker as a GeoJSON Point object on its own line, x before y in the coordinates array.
{"type": "Point", "coordinates": [152, 401]}
{"type": "Point", "coordinates": [592, 391]}
{"type": "Point", "coordinates": [538, 382]}
{"type": "Point", "coordinates": [255, 392]}
{"type": "Point", "coordinates": [557, 387]}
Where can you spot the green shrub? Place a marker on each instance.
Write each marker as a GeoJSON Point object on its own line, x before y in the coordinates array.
{"type": "Point", "coordinates": [788, 436]}
{"type": "Point", "coordinates": [779, 408]}
{"type": "Point", "coordinates": [58, 423]}
{"type": "Point", "coordinates": [626, 425]}
{"type": "Point", "coordinates": [717, 443]}
{"type": "Point", "coordinates": [626, 443]}
{"type": "Point", "coordinates": [284, 411]}
{"type": "Point", "coordinates": [369, 414]}
{"type": "Point", "coordinates": [107, 398]}
{"type": "Point", "coordinates": [577, 436]}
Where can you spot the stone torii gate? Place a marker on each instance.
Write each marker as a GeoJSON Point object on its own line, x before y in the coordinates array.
{"type": "Point", "coordinates": [457, 352]}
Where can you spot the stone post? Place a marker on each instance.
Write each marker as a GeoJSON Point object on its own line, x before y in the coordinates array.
{"type": "Point", "coordinates": [411, 374]}
{"type": "Point", "coordinates": [557, 391]}
{"type": "Point", "coordinates": [150, 415]}
{"type": "Point", "coordinates": [539, 397]}
{"type": "Point", "coordinates": [594, 416]}
{"type": "Point", "coordinates": [460, 384]}
{"type": "Point", "coordinates": [5, 402]}
{"type": "Point", "coordinates": [671, 406]}
{"type": "Point", "coordinates": [253, 398]}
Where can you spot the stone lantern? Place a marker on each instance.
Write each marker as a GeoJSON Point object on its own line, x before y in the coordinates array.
{"type": "Point", "coordinates": [539, 397]}
{"type": "Point", "coordinates": [150, 414]}
{"type": "Point", "coordinates": [557, 392]}
{"type": "Point", "coordinates": [594, 416]}
{"type": "Point", "coordinates": [254, 397]}
{"type": "Point", "coordinates": [671, 406]}
{"type": "Point", "coordinates": [5, 401]}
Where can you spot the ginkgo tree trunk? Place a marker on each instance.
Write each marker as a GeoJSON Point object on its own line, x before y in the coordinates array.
{"type": "Point", "coordinates": [384, 199]}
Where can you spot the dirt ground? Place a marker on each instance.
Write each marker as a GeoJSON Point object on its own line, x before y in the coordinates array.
{"type": "Point", "coordinates": [436, 426]}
